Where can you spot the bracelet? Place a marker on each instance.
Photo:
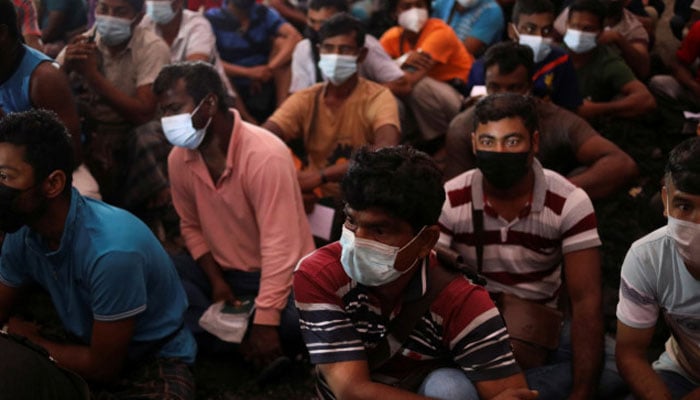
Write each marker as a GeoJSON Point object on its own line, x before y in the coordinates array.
{"type": "Point", "coordinates": [324, 178]}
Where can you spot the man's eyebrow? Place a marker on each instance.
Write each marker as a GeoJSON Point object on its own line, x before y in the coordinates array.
{"type": "Point", "coordinates": [9, 167]}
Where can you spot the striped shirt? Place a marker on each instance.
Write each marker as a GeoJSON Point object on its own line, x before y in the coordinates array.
{"type": "Point", "coordinates": [523, 256]}
{"type": "Point", "coordinates": [340, 319]}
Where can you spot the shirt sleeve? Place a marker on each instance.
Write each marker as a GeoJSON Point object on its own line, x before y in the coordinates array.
{"type": "Point", "coordinates": [11, 272]}
{"type": "Point", "coordinates": [567, 92]}
{"type": "Point", "coordinates": [390, 42]}
{"type": "Point", "coordinates": [200, 38]}
{"type": "Point", "coordinates": [303, 69]}
{"type": "Point", "coordinates": [327, 330]}
{"type": "Point", "coordinates": [690, 46]}
{"type": "Point", "coordinates": [118, 286]}
{"type": "Point", "coordinates": [378, 66]}
{"type": "Point", "coordinates": [185, 204]}
{"type": "Point", "coordinates": [638, 305]}
{"type": "Point", "coordinates": [579, 227]}
{"type": "Point", "coordinates": [474, 329]}
{"type": "Point", "coordinates": [150, 61]}
{"type": "Point", "coordinates": [274, 190]}
{"type": "Point", "coordinates": [384, 110]}
{"type": "Point", "coordinates": [273, 21]}
{"type": "Point", "coordinates": [488, 26]}
{"type": "Point", "coordinates": [440, 44]}
{"type": "Point", "coordinates": [617, 74]}
{"type": "Point", "coordinates": [292, 114]}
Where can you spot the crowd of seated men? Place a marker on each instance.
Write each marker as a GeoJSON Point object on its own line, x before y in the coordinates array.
{"type": "Point", "coordinates": [161, 157]}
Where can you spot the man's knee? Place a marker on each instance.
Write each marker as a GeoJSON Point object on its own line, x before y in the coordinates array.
{"type": "Point", "coordinates": [448, 384]}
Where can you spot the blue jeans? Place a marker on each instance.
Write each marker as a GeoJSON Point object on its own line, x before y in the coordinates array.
{"type": "Point", "coordinates": [198, 290]}
{"type": "Point", "coordinates": [554, 381]}
{"type": "Point", "coordinates": [448, 384]}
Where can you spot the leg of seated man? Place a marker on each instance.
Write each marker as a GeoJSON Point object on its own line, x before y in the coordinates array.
{"type": "Point", "coordinates": [677, 384]}
{"type": "Point", "coordinates": [162, 378]}
{"type": "Point", "coordinates": [434, 105]}
{"type": "Point", "coordinates": [448, 384]}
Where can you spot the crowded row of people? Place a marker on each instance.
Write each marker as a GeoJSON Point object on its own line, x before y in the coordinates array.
{"type": "Point", "coordinates": [167, 107]}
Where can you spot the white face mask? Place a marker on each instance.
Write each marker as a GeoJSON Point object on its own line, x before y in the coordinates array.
{"type": "Point", "coordinates": [579, 41]}
{"type": "Point", "coordinates": [413, 19]}
{"type": "Point", "coordinates": [180, 131]}
{"type": "Point", "coordinates": [337, 68]}
{"type": "Point", "coordinates": [113, 31]}
{"type": "Point", "coordinates": [160, 11]}
{"type": "Point", "coordinates": [686, 235]}
{"type": "Point", "coordinates": [369, 262]}
{"type": "Point", "coordinates": [541, 46]}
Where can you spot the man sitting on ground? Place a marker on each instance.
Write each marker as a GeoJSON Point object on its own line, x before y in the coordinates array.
{"type": "Point", "coordinates": [113, 286]}
{"type": "Point", "coordinates": [661, 274]}
{"type": "Point", "coordinates": [241, 214]}
{"type": "Point", "coordinates": [525, 229]}
{"type": "Point", "coordinates": [568, 144]}
{"type": "Point", "coordinates": [382, 319]}
{"type": "Point", "coordinates": [333, 119]}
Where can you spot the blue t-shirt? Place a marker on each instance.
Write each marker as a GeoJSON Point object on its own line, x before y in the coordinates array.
{"type": "Point", "coordinates": [75, 13]}
{"type": "Point", "coordinates": [483, 21]}
{"type": "Point", "coordinates": [249, 48]}
{"type": "Point", "coordinates": [108, 267]}
{"type": "Point", "coordinates": [554, 79]}
{"type": "Point", "coordinates": [14, 92]}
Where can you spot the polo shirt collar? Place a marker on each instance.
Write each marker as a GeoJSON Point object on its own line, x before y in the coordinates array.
{"type": "Point", "coordinates": [35, 242]}
{"type": "Point", "coordinates": [538, 193]}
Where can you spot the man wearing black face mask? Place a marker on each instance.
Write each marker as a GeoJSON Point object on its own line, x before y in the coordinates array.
{"type": "Point", "coordinates": [516, 224]}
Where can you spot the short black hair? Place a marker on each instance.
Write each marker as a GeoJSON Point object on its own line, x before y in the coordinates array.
{"type": "Point", "coordinates": [46, 141]}
{"type": "Point", "coordinates": [401, 181]}
{"type": "Point", "coordinates": [683, 166]}
{"type": "Point", "coordinates": [201, 79]}
{"type": "Point", "coordinates": [509, 56]}
{"type": "Point", "coordinates": [342, 24]}
{"type": "Point", "coordinates": [594, 7]}
{"type": "Point", "coordinates": [337, 5]}
{"type": "Point", "coordinates": [8, 17]}
{"type": "Point", "coordinates": [529, 7]}
{"type": "Point", "coordinates": [499, 106]}
{"type": "Point", "coordinates": [392, 4]}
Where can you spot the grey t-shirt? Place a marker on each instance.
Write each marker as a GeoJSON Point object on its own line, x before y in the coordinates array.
{"type": "Point", "coordinates": [377, 66]}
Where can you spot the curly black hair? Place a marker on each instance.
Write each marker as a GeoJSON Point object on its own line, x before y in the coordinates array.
{"type": "Point", "coordinates": [46, 141]}
{"type": "Point", "coordinates": [402, 181]}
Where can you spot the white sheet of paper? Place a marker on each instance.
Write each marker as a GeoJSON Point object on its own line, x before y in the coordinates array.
{"type": "Point", "coordinates": [321, 221]}
{"type": "Point", "coordinates": [690, 115]}
{"type": "Point", "coordinates": [478, 90]}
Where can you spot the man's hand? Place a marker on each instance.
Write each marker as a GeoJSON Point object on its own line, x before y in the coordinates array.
{"type": "Point", "coordinates": [82, 56]}
{"type": "Point", "coordinates": [419, 60]}
{"type": "Point", "coordinates": [220, 290]}
{"type": "Point", "coordinates": [309, 179]}
{"type": "Point", "coordinates": [262, 346]}
{"type": "Point", "coordinates": [261, 73]}
{"type": "Point", "coordinates": [517, 394]}
{"type": "Point", "coordinates": [609, 37]}
{"type": "Point", "coordinates": [18, 326]}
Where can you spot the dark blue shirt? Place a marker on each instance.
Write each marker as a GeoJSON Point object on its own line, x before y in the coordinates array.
{"type": "Point", "coordinates": [249, 48]}
{"type": "Point", "coordinates": [554, 79]}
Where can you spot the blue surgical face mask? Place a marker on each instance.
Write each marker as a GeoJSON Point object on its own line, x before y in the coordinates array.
{"type": "Point", "coordinates": [337, 68]}
{"type": "Point", "coordinates": [160, 11]}
{"type": "Point", "coordinates": [113, 31]}
{"type": "Point", "coordinates": [180, 131]}
{"type": "Point", "coordinates": [369, 262]}
{"type": "Point", "coordinates": [579, 41]}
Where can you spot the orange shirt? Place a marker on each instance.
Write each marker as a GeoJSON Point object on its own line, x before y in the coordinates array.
{"type": "Point", "coordinates": [439, 40]}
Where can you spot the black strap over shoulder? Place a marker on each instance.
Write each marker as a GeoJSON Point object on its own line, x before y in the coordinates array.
{"type": "Point", "coordinates": [404, 323]}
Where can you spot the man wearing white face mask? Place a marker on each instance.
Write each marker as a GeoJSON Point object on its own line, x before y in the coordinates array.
{"type": "Point", "coordinates": [335, 118]}
{"type": "Point", "coordinates": [241, 213]}
{"type": "Point", "coordinates": [354, 295]}
{"type": "Point", "coordinates": [112, 68]}
{"type": "Point", "coordinates": [554, 78]}
{"type": "Point", "coordinates": [661, 275]}
{"type": "Point", "coordinates": [435, 63]}
{"type": "Point", "coordinates": [607, 84]}
{"type": "Point", "coordinates": [477, 23]}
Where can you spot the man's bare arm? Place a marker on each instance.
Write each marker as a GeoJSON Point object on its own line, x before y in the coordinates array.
{"type": "Point", "coordinates": [608, 167]}
{"type": "Point", "coordinates": [631, 356]}
{"type": "Point", "coordinates": [635, 101]}
{"type": "Point", "coordinates": [351, 380]}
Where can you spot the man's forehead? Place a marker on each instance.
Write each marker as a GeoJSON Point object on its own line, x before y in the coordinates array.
{"type": "Point", "coordinates": [675, 193]}
{"type": "Point", "coordinates": [12, 155]}
{"type": "Point", "coordinates": [345, 38]}
{"type": "Point", "coordinates": [540, 19]}
{"type": "Point", "coordinates": [116, 4]}
{"type": "Point", "coordinates": [494, 72]}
